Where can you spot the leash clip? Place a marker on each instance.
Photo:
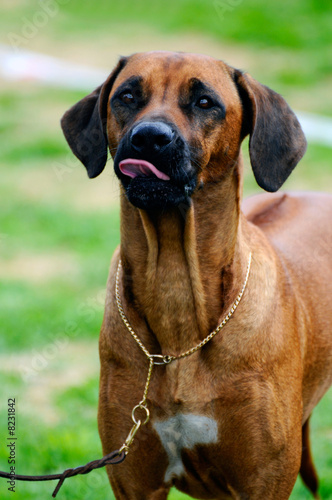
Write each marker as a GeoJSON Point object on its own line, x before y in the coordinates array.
{"type": "Point", "coordinates": [130, 438]}
{"type": "Point", "coordinates": [137, 424]}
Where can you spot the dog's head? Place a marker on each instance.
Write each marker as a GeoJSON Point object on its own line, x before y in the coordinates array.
{"type": "Point", "coordinates": [174, 122]}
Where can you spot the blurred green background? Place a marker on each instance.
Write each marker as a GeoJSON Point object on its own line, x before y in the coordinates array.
{"type": "Point", "coordinates": [58, 229]}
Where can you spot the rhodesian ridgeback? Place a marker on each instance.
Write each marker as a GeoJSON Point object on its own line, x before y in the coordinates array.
{"type": "Point", "coordinates": [217, 325]}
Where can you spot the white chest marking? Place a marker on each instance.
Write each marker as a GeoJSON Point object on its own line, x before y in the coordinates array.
{"type": "Point", "coordinates": [184, 431]}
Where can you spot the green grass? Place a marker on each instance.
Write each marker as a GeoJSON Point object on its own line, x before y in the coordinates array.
{"type": "Point", "coordinates": [57, 232]}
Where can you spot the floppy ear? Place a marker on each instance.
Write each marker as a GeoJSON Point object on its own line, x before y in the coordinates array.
{"type": "Point", "coordinates": [84, 126]}
{"type": "Point", "coordinates": [277, 142]}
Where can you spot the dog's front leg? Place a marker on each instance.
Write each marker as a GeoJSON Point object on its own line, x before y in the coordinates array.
{"type": "Point", "coordinates": [129, 490]}
{"type": "Point", "coordinates": [275, 481]}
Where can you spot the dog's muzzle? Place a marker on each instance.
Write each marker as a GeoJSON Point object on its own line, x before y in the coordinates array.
{"type": "Point", "coordinates": [153, 164]}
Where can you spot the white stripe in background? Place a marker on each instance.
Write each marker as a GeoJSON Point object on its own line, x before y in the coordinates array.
{"type": "Point", "coordinates": [317, 128]}
{"type": "Point", "coordinates": [25, 65]}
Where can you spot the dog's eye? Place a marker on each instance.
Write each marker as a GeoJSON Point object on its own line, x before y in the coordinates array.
{"type": "Point", "coordinates": [127, 97]}
{"type": "Point", "coordinates": [205, 102]}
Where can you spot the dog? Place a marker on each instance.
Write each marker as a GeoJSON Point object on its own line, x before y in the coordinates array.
{"type": "Point", "coordinates": [228, 418]}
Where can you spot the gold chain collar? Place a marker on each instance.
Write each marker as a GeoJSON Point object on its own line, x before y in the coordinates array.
{"type": "Point", "coordinates": [159, 359]}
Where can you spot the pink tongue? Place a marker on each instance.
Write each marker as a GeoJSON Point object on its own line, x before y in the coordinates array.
{"type": "Point", "coordinates": [134, 168]}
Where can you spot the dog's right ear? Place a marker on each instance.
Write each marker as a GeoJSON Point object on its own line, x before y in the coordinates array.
{"type": "Point", "coordinates": [84, 125]}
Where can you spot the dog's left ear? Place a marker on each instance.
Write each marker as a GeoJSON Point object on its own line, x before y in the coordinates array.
{"type": "Point", "coordinates": [84, 126]}
{"type": "Point", "coordinates": [277, 142]}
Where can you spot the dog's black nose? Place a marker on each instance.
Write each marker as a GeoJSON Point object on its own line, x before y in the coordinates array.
{"type": "Point", "coordinates": [148, 137]}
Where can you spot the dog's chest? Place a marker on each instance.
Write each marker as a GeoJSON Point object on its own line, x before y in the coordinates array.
{"type": "Point", "coordinates": [184, 432]}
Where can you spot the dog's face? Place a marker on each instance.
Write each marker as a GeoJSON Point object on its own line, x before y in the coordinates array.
{"type": "Point", "coordinates": [167, 122]}
{"type": "Point", "coordinates": [174, 122]}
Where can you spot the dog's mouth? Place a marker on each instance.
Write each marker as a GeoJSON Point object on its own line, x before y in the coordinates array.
{"type": "Point", "coordinates": [141, 168]}
{"type": "Point", "coordinates": [148, 188]}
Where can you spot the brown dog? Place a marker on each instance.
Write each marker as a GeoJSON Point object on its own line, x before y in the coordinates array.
{"type": "Point", "coordinates": [231, 419]}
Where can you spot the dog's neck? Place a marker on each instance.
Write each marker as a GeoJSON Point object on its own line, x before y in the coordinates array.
{"type": "Point", "coordinates": [184, 267]}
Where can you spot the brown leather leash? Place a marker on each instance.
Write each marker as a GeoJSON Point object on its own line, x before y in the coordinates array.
{"type": "Point", "coordinates": [116, 457]}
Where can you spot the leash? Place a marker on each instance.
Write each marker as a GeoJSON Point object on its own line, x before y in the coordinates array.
{"type": "Point", "coordinates": [118, 456]}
